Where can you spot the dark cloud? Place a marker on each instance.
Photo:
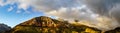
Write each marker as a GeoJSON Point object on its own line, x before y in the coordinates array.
{"type": "Point", "coordinates": [101, 7]}
{"type": "Point", "coordinates": [105, 7]}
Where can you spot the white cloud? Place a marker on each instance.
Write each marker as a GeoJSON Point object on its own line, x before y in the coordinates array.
{"type": "Point", "coordinates": [23, 6]}
{"type": "Point", "coordinates": [18, 11]}
{"type": "Point", "coordinates": [10, 9]}
{"type": "Point", "coordinates": [2, 3]}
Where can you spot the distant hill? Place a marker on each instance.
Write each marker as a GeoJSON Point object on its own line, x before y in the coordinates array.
{"type": "Point", "coordinates": [45, 24]}
{"type": "Point", "coordinates": [4, 28]}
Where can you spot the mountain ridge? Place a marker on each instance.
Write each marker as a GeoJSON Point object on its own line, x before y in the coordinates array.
{"type": "Point", "coordinates": [45, 24]}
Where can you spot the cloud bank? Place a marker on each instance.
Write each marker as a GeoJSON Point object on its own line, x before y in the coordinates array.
{"type": "Point", "coordinates": [102, 14]}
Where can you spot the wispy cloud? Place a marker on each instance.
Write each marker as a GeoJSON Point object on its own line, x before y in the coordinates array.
{"type": "Point", "coordinates": [18, 11]}
{"type": "Point", "coordinates": [10, 9]}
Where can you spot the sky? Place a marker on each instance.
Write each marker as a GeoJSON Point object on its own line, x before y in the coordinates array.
{"type": "Point", "coordinates": [101, 14]}
{"type": "Point", "coordinates": [10, 15]}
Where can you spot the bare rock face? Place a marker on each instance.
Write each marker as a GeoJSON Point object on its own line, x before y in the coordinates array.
{"type": "Point", "coordinates": [39, 21]}
{"type": "Point", "coordinates": [4, 28]}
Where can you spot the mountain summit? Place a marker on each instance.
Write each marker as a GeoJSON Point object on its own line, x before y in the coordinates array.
{"type": "Point", "coordinates": [39, 22]}
{"type": "Point", "coordinates": [4, 28]}
{"type": "Point", "coordinates": [45, 24]}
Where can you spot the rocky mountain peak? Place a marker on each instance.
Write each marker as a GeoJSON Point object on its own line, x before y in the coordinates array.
{"type": "Point", "coordinates": [39, 21]}
{"type": "Point", "coordinates": [43, 19]}
{"type": "Point", "coordinates": [45, 24]}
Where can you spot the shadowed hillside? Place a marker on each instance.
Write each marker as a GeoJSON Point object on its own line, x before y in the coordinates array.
{"type": "Point", "coordinates": [4, 28]}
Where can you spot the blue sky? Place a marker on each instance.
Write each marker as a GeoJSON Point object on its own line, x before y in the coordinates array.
{"type": "Point", "coordinates": [16, 16]}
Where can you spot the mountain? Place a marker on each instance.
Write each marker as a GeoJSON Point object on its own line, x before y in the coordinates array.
{"type": "Point", "coordinates": [4, 28]}
{"type": "Point", "coordinates": [45, 24]}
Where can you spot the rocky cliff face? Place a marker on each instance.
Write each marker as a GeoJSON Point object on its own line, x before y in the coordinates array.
{"type": "Point", "coordinates": [45, 24]}
{"type": "Point", "coordinates": [4, 28]}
